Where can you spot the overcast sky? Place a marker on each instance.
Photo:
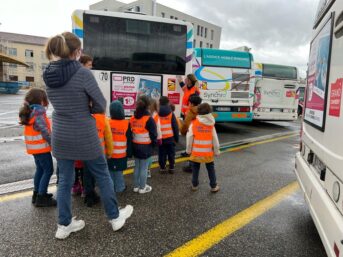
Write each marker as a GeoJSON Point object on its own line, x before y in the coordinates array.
{"type": "Point", "coordinates": [278, 31]}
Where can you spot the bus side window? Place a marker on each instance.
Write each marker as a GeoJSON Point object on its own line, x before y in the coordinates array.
{"type": "Point", "coordinates": [339, 30]}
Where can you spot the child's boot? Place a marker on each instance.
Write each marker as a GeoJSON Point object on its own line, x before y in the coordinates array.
{"type": "Point", "coordinates": [45, 200]}
{"type": "Point", "coordinates": [34, 197]}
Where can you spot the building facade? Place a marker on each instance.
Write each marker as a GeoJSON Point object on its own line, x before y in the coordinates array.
{"type": "Point", "coordinates": [28, 49]}
{"type": "Point", "coordinates": [206, 34]}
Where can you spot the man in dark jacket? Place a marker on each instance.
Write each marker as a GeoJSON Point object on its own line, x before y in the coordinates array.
{"type": "Point", "coordinates": [170, 135]}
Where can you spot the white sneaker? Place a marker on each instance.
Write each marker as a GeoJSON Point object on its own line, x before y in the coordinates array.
{"type": "Point", "coordinates": [149, 173]}
{"type": "Point", "coordinates": [124, 214]}
{"type": "Point", "coordinates": [64, 231]}
{"type": "Point", "coordinates": [146, 189]}
{"type": "Point", "coordinates": [136, 189]}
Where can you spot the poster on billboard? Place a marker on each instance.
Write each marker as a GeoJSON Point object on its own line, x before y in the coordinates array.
{"type": "Point", "coordinates": [129, 87]}
{"type": "Point", "coordinates": [318, 77]}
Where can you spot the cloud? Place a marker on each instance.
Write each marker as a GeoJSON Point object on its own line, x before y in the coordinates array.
{"type": "Point", "coordinates": [278, 31]}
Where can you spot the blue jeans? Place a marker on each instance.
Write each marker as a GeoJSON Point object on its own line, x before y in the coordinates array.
{"type": "Point", "coordinates": [140, 172]}
{"type": "Point", "coordinates": [210, 170]}
{"type": "Point", "coordinates": [44, 170]}
{"type": "Point", "coordinates": [118, 181]}
{"type": "Point", "coordinates": [98, 168]}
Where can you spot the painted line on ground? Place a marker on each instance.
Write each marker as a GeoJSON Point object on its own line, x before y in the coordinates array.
{"type": "Point", "coordinates": [210, 238]}
{"type": "Point", "coordinates": [5, 197]}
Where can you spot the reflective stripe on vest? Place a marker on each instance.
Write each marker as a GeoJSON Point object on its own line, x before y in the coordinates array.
{"type": "Point", "coordinates": [34, 141]}
{"type": "Point", "coordinates": [100, 126]}
{"type": "Point", "coordinates": [119, 129]}
{"type": "Point", "coordinates": [166, 126]}
{"type": "Point", "coordinates": [203, 141]}
{"type": "Point", "coordinates": [140, 135]}
{"type": "Point", "coordinates": [186, 94]}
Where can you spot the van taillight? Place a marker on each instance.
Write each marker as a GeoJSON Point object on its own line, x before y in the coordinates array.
{"type": "Point", "coordinates": [244, 109]}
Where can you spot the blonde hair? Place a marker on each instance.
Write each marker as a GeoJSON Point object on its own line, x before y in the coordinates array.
{"type": "Point", "coordinates": [193, 79]}
{"type": "Point", "coordinates": [153, 106]}
{"type": "Point", "coordinates": [62, 45]}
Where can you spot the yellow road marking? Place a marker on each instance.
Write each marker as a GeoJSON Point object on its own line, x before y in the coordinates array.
{"type": "Point", "coordinates": [23, 194]}
{"type": "Point", "coordinates": [14, 196]}
{"type": "Point", "coordinates": [207, 240]}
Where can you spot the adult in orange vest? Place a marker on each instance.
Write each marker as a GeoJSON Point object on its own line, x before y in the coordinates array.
{"type": "Point", "coordinates": [170, 136]}
{"type": "Point", "coordinates": [122, 145]}
{"type": "Point", "coordinates": [105, 138]}
{"type": "Point", "coordinates": [38, 139]}
{"type": "Point", "coordinates": [189, 87]}
{"type": "Point", "coordinates": [144, 138]}
{"type": "Point", "coordinates": [203, 145]}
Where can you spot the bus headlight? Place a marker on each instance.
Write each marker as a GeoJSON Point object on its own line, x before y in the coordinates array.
{"type": "Point", "coordinates": [336, 191]}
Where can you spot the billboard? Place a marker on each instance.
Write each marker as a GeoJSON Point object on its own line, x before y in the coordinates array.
{"type": "Point", "coordinates": [129, 86]}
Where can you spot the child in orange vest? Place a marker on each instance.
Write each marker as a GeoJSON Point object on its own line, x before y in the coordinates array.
{"type": "Point", "coordinates": [203, 145]}
{"type": "Point", "coordinates": [170, 136]}
{"type": "Point", "coordinates": [37, 133]}
{"type": "Point", "coordinates": [144, 138]}
{"type": "Point", "coordinates": [122, 145]}
{"type": "Point", "coordinates": [105, 137]}
{"type": "Point", "coordinates": [154, 114]}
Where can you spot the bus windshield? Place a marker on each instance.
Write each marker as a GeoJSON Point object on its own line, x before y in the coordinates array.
{"type": "Point", "coordinates": [279, 72]}
{"type": "Point", "coordinates": [123, 44]}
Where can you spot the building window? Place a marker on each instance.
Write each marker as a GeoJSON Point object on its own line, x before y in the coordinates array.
{"type": "Point", "coordinates": [200, 44]}
{"type": "Point", "coordinates": [201, 31]}
{"type": "Point", "coordinates": [171, 17]}
{"type": "Point", "coordinates": [138, 9]}
{"type": "Point", "coordinates": [13, 78]}
{"type": "Point", "coordinates": [13, 65]}
{"type": "Point", "coordinates": [30, 79]}
{"type": "Point", "coordinates": [12, 51]}
{"type": "Point", "coordinates": [207, 45]}
{"type": "Point", "coordinates": [205, 32]}
{"type": "Point", "coordinates": [28, 53]}
{"type": "Point", "coordinates": [163, 14]}
{"type": "Point", "coordinates": [212, 34]}
{"type": "Point", "coordinates": [176, 18]}
{"type": "Point", "coordinates": [194, 43]}
{"type": "Point", "coordinates": [198, 30]}
{"type": "Point", "coordinates": [211, 46]}
{"type": "Point", "coordinates": [105, 10]}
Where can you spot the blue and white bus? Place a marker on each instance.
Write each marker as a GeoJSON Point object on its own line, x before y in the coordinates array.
{"type": "Point", "coordinates": [227, 82]}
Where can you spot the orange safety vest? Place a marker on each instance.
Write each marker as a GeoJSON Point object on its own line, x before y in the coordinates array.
{"type": "Point", "coordinates": [203, 141]}
{"type": "Point", "coordinates": [35, 143]}
{"type": "Point", "coordinates": [119, 129]}
{"type": "Point", "coordinates": [166, 126]}
{"type": "Point", "coordinates": [140, 135]}
{"type": "Point", "coordinates": [100, 126]}
{"type": "Point", "coordinates": [186, 94]}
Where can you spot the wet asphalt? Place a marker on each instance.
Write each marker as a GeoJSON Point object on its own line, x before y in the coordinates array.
{"type": "Point", "coordinates": [171, 214]}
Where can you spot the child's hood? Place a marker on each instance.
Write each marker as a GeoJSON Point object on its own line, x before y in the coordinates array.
{"type": "Point", "coordinates": [206, 119]}
{"type": "Point", "coordinates": [117, 110]}
{"type": "Point", "coordinates": [164, 111]}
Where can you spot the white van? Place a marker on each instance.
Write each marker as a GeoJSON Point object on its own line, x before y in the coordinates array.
{"type": "Point", "coordinates": [319, 164]}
